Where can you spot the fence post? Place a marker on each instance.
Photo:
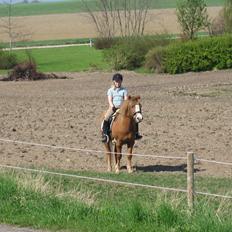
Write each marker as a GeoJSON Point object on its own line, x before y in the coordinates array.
{"type": "Point", "coordinates": [190, 179]}
{"type": "Point", "coordinates": [90, 43]}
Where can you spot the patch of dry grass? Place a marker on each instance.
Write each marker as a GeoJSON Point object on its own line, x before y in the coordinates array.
{"type": "Point", "coordinates": [42, 184]}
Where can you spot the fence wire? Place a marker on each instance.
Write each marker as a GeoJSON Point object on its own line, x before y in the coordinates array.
{"type": "Point", "coordinates": [107, 180]}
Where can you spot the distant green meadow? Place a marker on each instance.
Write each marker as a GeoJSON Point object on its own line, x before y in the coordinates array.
{"type": "Point", "coordinates": [68, 59]}
{"type": "Point", "coordinates": [76, 6]}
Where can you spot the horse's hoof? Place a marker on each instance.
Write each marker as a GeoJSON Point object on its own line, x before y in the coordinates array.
{"type": "Point", "coordinates": [130, 170]}
{"type": "Point", "coordinates": [117, 171]}
{"type": "Point", "coordinates": [109, 170]}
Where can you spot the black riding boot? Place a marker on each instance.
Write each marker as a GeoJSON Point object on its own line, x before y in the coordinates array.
{"type": "Point", "coordinates": [137, 135]}
{"type": "Point", "coordinates": [105, 132]}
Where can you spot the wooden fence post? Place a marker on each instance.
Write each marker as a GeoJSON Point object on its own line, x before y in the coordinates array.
{"type": "Point", "coordinates": [190, 179]}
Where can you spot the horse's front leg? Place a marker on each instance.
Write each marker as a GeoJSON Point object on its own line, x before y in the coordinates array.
{"type": "Point", "coordinates": [129, 157]}
{"type": "Point", "coordinates": [108, 157]}
{"type": "Point", "coordinates": [118, 156]}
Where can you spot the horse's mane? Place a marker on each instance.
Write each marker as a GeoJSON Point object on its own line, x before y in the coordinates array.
{"type": "Point", "coordinates": [127, 104]}
{"type": "Point", "coordinates": [124, 109]}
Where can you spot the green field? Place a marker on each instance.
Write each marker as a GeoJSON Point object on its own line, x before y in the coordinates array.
{"type": "Point", "coordinates": [69, 59]}
{"type": "Point", "coordinates": [77, 6]}
{"type": "Point", "coordinates": [70, 204]}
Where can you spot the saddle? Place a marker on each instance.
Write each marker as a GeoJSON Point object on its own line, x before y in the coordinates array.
{"type": "Point", "coordinates": [112, 118]}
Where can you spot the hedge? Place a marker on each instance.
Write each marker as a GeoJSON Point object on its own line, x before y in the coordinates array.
{"type": "Point", "coordinates": [129, 53]}
{"type": "Point", "coordinates": [199, 55]}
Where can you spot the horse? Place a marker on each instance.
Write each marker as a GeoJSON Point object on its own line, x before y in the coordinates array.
{"type": "Point", "coordinates": [123, 132]}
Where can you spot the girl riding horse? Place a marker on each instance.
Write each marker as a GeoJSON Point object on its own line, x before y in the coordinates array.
{"type": "Point", "coordinates": [116, 95]}
{"type": "Point", "coordinates": [123, 132]}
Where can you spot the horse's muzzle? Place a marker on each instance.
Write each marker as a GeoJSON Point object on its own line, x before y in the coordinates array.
{"type": "Point", "coordinates": [138, 117]}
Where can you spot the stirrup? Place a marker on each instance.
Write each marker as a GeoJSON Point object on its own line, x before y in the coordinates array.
{"type": "Point", "coordinates": [105, 138]}
{"type": "Point", "coordinates": [138, 136]}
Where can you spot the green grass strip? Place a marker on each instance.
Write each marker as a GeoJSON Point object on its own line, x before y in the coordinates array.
{"type": "Point", "coordinates": [61, 203]}
{"type": "Point", "coordinates": [77, 6]}
{"type": "Point", "coordinates": [68, 59]}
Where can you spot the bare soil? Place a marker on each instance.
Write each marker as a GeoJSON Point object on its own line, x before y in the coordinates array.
{"type": "Point", "coordinates": [67, 26]}
{"type": "Point", "coordinates": [9, 228]}
{"type": "Point", "coordinates": [189, 112]}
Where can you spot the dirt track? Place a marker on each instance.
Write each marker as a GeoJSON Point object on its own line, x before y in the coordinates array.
{"type": "Point", "coordinates": [181, 113]}
{"type": "Point", "coordinates": [67, 26]}
{"type": "Point", "coordinates": [7, 228]}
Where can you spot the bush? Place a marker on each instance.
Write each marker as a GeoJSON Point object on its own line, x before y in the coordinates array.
{"type": "Point", "coordinates": [104, 43]}
{"type": "Point", "coordinates": [7, 60]}
{"type": "Point", "coordinates": [129, 53]}
{"type": "Point", "coordinates": [155, 59]}
{"type": "Point", "coordinates": [199, 55]}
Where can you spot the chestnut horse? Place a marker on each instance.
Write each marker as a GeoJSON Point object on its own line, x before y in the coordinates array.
{"type": "Point", "coordinates": [123, 132]}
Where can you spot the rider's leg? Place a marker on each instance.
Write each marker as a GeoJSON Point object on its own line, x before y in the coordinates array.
{"type": "Point", "coordinates": [137, 135]}
{"type": "Point", "coordinates": [106, 126]}
{"type": "Point", "coordinates": [105, 131]}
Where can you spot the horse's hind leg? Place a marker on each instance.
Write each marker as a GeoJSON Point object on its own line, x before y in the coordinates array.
{"type": "Point", "coordinates": [129, 158]}
{"type": "Point", "coordinates": [118, 156]}
{"type": "Point", "coordinates": [108, 157]}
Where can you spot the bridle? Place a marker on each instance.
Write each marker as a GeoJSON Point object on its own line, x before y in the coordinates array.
{"type": "Point", "coordinates": [137, 115]}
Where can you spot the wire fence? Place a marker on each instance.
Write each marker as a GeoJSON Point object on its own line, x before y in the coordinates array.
{"type": "Point", "coordinates": [115, 181]}
{"type": "Point", "coordinates": [90, 44]}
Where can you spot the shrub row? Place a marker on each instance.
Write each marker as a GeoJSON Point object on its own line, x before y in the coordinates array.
{"type": "Point", "coordinates": [199, 55]}
{"type": "Point", "coordinates": [129, 53]}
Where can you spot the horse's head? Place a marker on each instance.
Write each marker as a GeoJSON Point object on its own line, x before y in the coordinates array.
{"type": "Point", "coordinates": [135, 108]}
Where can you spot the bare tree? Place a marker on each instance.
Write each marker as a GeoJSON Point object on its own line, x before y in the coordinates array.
{"type": "Point", "coordinates": [228, 16]}
{"type": "Point", "coordinates": [118, 17]}
{"type": "Point", "coordinates": [10, 27]}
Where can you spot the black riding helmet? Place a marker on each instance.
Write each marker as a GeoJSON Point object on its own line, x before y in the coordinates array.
{"type": "Point", "coordinates": [117, 77]}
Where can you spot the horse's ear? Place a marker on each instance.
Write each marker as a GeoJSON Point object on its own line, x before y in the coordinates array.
{"type": "Point", "coordinates": [138, 97]}
{"type": "Point", "coordinates": [129, 97]}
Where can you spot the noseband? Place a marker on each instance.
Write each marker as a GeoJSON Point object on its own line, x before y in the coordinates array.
{"type": "Point", "coordinates": [138, 117]}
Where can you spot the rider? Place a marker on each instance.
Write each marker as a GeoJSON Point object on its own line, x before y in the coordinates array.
{"type": "Point", "coordinates": [116, 95]}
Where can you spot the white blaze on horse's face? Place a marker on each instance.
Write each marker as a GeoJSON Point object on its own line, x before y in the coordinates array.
{"type": "Point", "coordinates": [138, 114]}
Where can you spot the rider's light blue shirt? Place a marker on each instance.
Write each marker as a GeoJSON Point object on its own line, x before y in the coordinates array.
{"type": "Point", "coordinates": [118, 95]}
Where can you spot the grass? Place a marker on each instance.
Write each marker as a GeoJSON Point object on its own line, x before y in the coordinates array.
{"type": "Point", "coordinates": [69, 59]}
{"type": "Point", "coordinates": [77, 6]}
{"type": "Point", "coordinates": [62, 203]}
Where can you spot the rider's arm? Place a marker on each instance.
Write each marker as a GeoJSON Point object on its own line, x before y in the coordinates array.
{"type": "Point", "coordinates": [125, 95]}
{"type": "Point", "coordinates": [110, 100]}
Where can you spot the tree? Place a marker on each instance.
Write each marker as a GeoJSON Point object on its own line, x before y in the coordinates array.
{"type": "Point", "coordinates": [192, 16]}
{"type": "Point", "coordinates": [228, 16]}
{"type": "Point", "coordinates": [118, 17]}
{"type": "Point", "coordinates": [10, 27]}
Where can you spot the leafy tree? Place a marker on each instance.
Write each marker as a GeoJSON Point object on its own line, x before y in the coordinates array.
{"type": "Point", "coordinates": [192, 16]}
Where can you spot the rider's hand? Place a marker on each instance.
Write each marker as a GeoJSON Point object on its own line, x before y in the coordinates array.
{"type": "Point", "coordinates": [114, 108]}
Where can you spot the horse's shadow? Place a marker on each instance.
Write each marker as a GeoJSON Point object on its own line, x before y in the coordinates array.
{"type": "Point", "coordinates": [163, 168]}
